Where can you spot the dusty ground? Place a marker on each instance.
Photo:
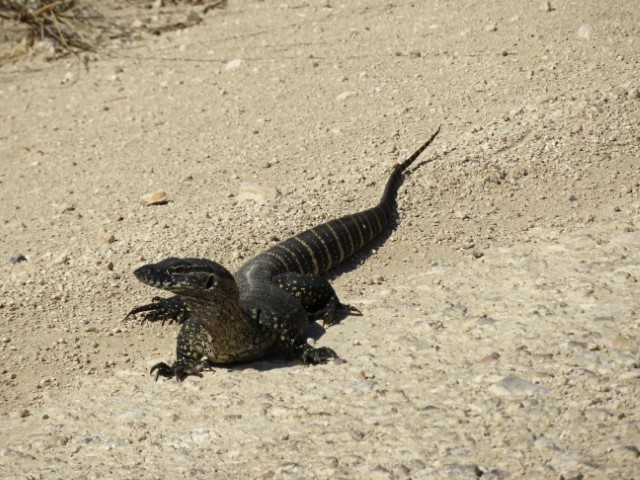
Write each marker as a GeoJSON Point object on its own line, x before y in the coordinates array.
{"type": "Point", "coordinates": [500, 328]}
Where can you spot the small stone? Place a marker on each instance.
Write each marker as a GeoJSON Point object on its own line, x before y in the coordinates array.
{"type": "Point", "coordinates": [597, 414]}
{"type": "Point", "coordinates": [66, 207]}
{"type": "Point", "coordinates": [257, 193]}
{"type": "Point", "coordinates": [137, 23]}
{"type": "Point", "coordinates": [542, 99]}
{"type": "Point", "coordinates": [17, 258]}
{"type": "Point", "coordinates": [585, 31]}
{"type": "Point", "coordinates": [619, 92]}
{"type": "Point", "coordinates": [456, 470]}
{"type": "Point", "coordinates": [155, 198]}
{"type": "Point", "coordinates": [235, 64]}
{"type": "Point", "coordinates": [626, 452]}
{"type": "Point", "coordinates": [492, 27]}
{"type": "Point", "coordinates": [61, 259]}
{"type": "Point", "coordinates": [485, 321]}
{"type": "Point", "coordinates": [545, 443]}
{"type": "Point", "coordinates": [344, 95]}
{"type": "Point", "coordinates": [107, 239]}
{"type": "Point", "coordinates": [631, 239]}
{"type": "Point", "coordinates": [545, 6]}
{"type": "Point", "coordinates": [513, 386]}
{"type": "Point", "coordinates": [490, 358]}
{"type": "Point", "coordinates": [24, 413]}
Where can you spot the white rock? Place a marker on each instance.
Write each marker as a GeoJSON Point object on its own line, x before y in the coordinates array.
{"type": "Point", "coordinates": [514, 386]}
{"type": "Point", "coordinates": [586, 31]}
{"type": "Point", "coordinates": [235, 64]}
{"type": "Point", "coordinates": [156, 198]}
{"type": "Point", "coordinates": [344, 95]}
{"type": "Point", "coordinates": [257, 193]}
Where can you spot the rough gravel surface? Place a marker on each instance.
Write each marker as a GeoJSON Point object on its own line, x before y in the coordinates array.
{"type": "Point", "coordinates": [500, 329]}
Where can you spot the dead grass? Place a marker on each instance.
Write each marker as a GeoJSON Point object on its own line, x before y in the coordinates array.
{"type": "Point", "coordinates": [74, 26]}
{"type": "Point", "coordinates": [71, 25]}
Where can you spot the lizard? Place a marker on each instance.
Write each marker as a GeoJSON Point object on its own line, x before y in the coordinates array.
{"type": "Point", "coordinates": [267, 305]}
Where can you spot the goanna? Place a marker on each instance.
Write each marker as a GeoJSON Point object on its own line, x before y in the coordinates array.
{"type": "Point", "coordinates": [267, 305]}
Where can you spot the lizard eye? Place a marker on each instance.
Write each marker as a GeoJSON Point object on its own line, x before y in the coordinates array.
{"type": "Point", "coordinates": [211, 282]}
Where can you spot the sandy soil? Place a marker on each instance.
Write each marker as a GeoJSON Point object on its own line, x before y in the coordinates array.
{"type": "Point", "coordinates": [500, 328]}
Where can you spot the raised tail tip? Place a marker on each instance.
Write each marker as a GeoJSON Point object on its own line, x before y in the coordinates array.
{"type": "Point", "coordinates": [401, 167]}
{"type": "Point", "coordinates": [434, 135]}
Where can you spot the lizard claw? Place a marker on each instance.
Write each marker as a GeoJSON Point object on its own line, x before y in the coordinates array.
{"type": "Point", "coordinates": [351, 309]}
{"type": "Point", "coordinates": [180, 370]}
{"type": "Point", "coordinates": [329, 317]}
{"type": "Point", "coordinates": [163, 370]}
{"type": "Point", "coordinates": [316, 356]}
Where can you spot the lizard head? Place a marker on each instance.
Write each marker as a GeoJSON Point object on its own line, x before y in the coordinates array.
{"type": "Point", "coordinates": [189, 277]}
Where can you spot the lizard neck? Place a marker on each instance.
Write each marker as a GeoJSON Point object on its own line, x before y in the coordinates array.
{"type": "Point", "coordinates": [216, 307]}
{"type": "Point", "coordinates": [233, 335]}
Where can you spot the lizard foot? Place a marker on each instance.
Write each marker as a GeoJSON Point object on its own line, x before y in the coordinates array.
{"type": "Point", "coordinates": [330, 315]}
{"type": "Point", "coordinates": [180, 370]}
{"type": "Point", "coordinates": [315, 356]}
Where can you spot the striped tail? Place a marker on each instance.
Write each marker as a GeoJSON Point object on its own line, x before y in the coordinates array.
{"type": "Point", "coordinates": [327, 245]}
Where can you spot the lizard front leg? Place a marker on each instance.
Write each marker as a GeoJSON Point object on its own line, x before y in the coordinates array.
{"type": "Point", "coordinates": [194, 343]}
{"type": "Point", "coordinates": [172, 309]}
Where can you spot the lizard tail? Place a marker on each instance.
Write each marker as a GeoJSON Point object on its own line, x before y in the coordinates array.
{"type": "Point", "coordinates": [395, 179]}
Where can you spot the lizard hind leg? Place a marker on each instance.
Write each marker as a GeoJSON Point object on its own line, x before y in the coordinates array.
{"type": "Point", "coordinates": [316, 295]}
{"type": "Point", "coordinates": [194, 343]}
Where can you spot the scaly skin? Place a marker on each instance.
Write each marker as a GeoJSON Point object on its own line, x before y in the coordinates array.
{"type": "Point", "coordinates": [271, 299]}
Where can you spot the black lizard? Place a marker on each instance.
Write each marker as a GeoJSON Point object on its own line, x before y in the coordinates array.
{"type": "Point", "coordinates": [268, 303]}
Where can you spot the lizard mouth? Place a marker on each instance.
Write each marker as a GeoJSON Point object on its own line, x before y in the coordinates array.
{"type": "Point", "coordinates": [150, 276]}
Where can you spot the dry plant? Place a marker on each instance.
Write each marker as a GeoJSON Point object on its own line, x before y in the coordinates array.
{"type": "Point", "coordinates": [74, 26]}
{"type": "Point", "coordinates": [71, 25]}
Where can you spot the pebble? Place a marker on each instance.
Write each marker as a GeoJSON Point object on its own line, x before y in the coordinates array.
{"type": "Point", "coordinates": [626, 452]}
{"type": "Point", "coordinates": [585, 31]}
{"type": "Point", "coordinates": [156, 198]}
{"type": "Point", "coordinates": [344, 95]}
{"type": "Point", "coordinates": [490, 358]}
{"type": "Point", "coordinates": [235, 64]}
{"type": "Point", "coordinates": [515, 386]}
{"type": "Point", "coordinates": [107, 239]}
{"type": "Point", "coordinates": [257, 193]}
{"type": "Point", "coordinates": [17, 258]}
{"type": "Point", "coordinates": [545, 6]}
{"type": "Point", "coordinates": [631, 239]}
{"type": "Point", "coordinates": [619, 92]}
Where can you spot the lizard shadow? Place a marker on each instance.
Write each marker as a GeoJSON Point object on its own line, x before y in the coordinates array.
{"type": "Point", "coordinates": [371, 248]}
{"type": "Point", "coordinates": [276, 361]}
